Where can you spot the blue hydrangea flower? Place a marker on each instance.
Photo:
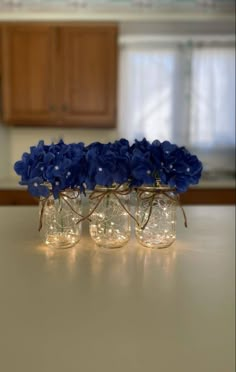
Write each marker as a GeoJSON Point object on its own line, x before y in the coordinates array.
{"type": "Point", "coordinates": [172, 165]}
{"type": "Point", "coordinates": [36, 187]}
{"type": "Point", "coordinates": [178, 167]}
{"type": "Point", "coordinates": [53, 167]}
{"type": "Point", "coordinates": [107, 164]}
{"type": "Point", "coordinates": [58, 185]}
{"type": "Point", "coordinates": [142, 170]}
{"type": "Point", "coordinates": [143, 146]}
{"type": "Point", "coordinates": [22, 167]}
{"type": "Point", "coordinates": [101, 165]}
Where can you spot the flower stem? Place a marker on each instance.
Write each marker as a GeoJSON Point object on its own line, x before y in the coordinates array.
{"type": "Point", "coordinates": [60, 210]}
{"type": "Point", "coordinates": [106, 214]}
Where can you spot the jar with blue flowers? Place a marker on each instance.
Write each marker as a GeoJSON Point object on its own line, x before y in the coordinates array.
{"type": "Point", "coordinates": [160, 172]}
{"type": "Point", "coordinates": [55, 174]}
{"type": "Point", "coordinates": [108, 174]}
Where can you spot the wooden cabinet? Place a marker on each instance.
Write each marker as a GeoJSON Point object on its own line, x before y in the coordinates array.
{"type": "Point", "coordinates": [89, 70]}
{"type": "Point", "coordinates": [28, 75]}
{"type": "Point", "coordinates": [60, 75]}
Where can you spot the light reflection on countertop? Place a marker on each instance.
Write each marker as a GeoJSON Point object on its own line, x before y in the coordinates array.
{"type": "Point", "coordinates": [112, 265]}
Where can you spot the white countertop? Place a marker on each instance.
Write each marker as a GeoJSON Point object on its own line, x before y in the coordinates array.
{"type": "Point", "coordinates": [133, 309]}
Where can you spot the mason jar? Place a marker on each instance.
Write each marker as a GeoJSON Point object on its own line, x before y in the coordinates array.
{"type": "Point", "coordinates": [156, 216]}
{"type": "Point", "coordinates": [109, 225]}
{"type": "Point", "coordinates": [59, 219]}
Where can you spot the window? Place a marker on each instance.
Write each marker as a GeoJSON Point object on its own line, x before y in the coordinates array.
{"type": "Point", "coordinates": [146, 98]}
{"type": "Point", "coordinates": [213, 97]}
{"type": "Point", "coordinates": [184, 93]}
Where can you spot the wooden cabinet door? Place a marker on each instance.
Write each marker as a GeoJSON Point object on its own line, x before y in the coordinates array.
{"type": "Point", "coordinates": [29, 83]}
{"type": "Point", "coordinates": [89, 75]}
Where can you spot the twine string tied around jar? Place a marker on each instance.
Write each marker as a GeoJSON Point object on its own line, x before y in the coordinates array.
{"type": "Point", "coordinates": [99, 195]}
{"type": "Point", "coordinates": [151, 197]}
{"type": "Point", "coordinates": [62, 195]}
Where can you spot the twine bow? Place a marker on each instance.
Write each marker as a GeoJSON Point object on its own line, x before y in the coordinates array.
{"type": "Point", "coordinates": [62, 195]}
{"type": "Point", "coordinates": [142, 194]}
{"type": "Point", "coordinates": [99, 195]}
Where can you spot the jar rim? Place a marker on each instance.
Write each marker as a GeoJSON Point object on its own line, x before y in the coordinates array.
{"type": "Point", "coordinates": [67, 189]}
{"type": "Point", "coordinates": [121, 186]}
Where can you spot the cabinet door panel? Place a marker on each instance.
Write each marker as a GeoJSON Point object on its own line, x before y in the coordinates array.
{"type": "Point", "coordinates": [29, 82]}
{"type": "Point", "coordinates": [89, 75]}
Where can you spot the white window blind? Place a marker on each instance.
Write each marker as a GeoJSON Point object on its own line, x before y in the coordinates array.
{"type": "Point", "coordinates": [213, 97]}
{"type": "Point", "coordinates": [184, 93]}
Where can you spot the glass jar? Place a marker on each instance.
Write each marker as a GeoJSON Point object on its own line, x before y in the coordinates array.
{"type": "Point", "coordinates": [59, 218]}
{"type": "Point", "coordinates": [156, 216]}
{"type": "Point", "coordinates": [109, 223]}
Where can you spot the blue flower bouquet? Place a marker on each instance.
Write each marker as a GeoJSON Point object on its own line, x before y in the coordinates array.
{"type": "Point", "coordinates": [55, 173]}
{"type": "Point", "coordinates": [159, 173]}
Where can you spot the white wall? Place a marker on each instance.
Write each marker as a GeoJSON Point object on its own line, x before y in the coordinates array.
{"type": "Point", "coordinates": [216, 27]}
